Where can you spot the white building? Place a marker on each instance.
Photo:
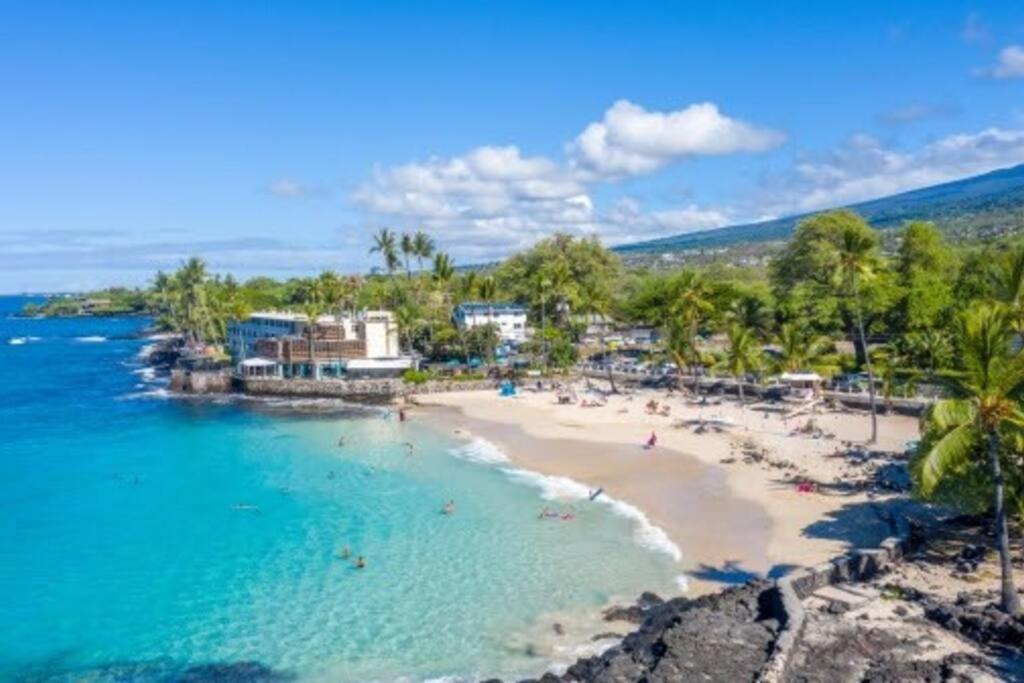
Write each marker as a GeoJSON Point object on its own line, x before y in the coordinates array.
{"type": "Point", "coordinates": [508, 318]}
{"type": "Point", "coordinates": [282, 340]}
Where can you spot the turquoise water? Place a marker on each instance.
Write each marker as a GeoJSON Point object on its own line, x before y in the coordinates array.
{"type": "Point", "coordinates": [144, 536]}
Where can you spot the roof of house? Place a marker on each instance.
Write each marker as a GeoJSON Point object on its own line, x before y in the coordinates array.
{"type": "Point", "coordinates": [484, 307]}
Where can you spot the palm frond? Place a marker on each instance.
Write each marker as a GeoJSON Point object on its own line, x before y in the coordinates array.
{"type": "Point", "coordinates": [951, 450]}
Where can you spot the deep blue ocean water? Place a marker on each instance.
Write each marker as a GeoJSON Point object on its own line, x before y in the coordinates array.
{"type": "Point", "coordinates": [144, 537]}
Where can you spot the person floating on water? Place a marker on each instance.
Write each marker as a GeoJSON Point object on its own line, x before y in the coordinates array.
{"type": "Point", "coordinates": [360, 562]}
{"type": "Point", "coordinates": [448, 508]}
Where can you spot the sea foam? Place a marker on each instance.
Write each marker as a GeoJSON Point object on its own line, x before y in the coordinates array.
{"type": "Point", "coordinates": [554, 487]}
{"type": "Point", "coordinates": [92, 339]}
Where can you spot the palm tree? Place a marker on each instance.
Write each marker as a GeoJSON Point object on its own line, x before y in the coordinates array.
{"type": "Point", "coordinates": [983, 414]}
{"type": "Point", "coordinates": [487, 288]}
{"type": "Point", "coordinates": [384, 244]}
{"type": "Point", "coordinates": [690, 309]}
{"type": "Point", "coordinates": [799, 348]}
{"type": "Point", "coordinates": [857, 254]}
{"type": "Point", "coordinates": [444, 269]}
{"type": "Point", "coordinates": [930, 346]}
{"type": "Point", "coordinates": [408, 319]}
{"type": "Point", "coordinates": [191, 284]}
{"type": "Point", "coordinates": [751, 312]}
{"type": "Point", "coordinates": [743, 355]}
{"type": "Point", "coordinates": [1008, 286]}
{"type": "Point", "coordinates": [423, 247]}
{"type": "Point", "coordinates": [408, 249]}
{"type": "Point", "coordinates": [312, 308]}
{"type": "Point", "coordinates": [595, 302]}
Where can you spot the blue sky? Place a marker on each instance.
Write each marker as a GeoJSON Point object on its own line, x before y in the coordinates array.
{"type": "Point", "coordinates": [277, 137]}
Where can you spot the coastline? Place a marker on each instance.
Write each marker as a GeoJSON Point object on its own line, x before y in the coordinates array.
{"type": "Point", "coordinates": [734, 517]}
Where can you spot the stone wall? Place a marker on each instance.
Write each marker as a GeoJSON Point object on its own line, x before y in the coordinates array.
{"type": "Point", "coordinates": [368, 390]}
{"type": "Point", "coordinates": [200, 381]}
{"type": "Point", "coordinates": [792, 589]}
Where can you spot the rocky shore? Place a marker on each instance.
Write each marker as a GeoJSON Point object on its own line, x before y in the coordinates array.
{"type": "Point", "coordinates": [929, 616]}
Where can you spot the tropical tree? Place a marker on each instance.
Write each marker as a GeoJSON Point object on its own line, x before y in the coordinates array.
{"type": "Point", "coordinates": [444, 269]}
{"type": "Point", "coordinates": [423, 247]}
{"type": "Point", "coordinates": [313, 308]}
{"type": "Point", "coordinates": [1008, 286]}
{"type": "Point", "coordinates": [981, 421]}
{"type": "Point", "coordinates": [595, 301]}
{"type": "Point", "coordinates": [799, 348]}
{"type": "Point", "coordinates": [487, 288]}
{"type": "Point", "coordinates": [690, 307]}
{"type": "Point", "coordinates": [408, 248]}
{"type": "Point", "coordinates": [857, 252]}
{"type": "Point", "coordinates": [385, 244]}
{"type": "Point", "coordinates": [190, 283]}
{"type": "Point", "coordinates": [742, 356]}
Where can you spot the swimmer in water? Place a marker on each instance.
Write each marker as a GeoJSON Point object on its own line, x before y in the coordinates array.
{"type": "Point", "coordinates": [360, 562]}
{"type": "Point", "coordinates": [448, 508]}
{"type": "Point", "coordinates": [341, 442]}
{"type": "Point", "coordinates": [409, 448]}
{"type": "Point", "coordinates": [345, 553]}
{"type": "Point", "coordinates": [330, 475]}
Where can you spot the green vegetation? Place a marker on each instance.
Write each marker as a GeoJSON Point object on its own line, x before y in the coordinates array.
{"type": "Point", "coordinates": [834, 298]}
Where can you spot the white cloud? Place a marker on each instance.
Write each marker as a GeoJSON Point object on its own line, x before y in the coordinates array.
{"type": "Point", "coordinates": [865, 169]}
{"type": "Point", "coordinates": [630, 140]}
{"type": "Point", "coordinates": [1009, 65]}
{"type": "Point", "coordinates": [488, 197]}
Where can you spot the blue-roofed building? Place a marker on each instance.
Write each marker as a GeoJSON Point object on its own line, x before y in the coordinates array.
{"type": "Point", "coordinates": [508, 318]}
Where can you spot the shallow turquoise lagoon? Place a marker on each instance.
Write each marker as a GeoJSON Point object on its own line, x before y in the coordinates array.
{"type": "Point", "coordinates": [142, 536]}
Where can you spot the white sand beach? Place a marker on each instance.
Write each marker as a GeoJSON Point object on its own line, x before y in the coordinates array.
{"type": "Point", "coordinates": [729, 499]}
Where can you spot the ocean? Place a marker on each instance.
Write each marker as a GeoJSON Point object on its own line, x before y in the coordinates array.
{"type": "Point", "coordinates": [145, 537]}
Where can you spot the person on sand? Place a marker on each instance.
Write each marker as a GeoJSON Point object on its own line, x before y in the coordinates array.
{"type": "Point", "coordinates": [448, 508]}
{"type": "Point", "coordinates": [360, 562]}
{"type": "Point", "coordinates": [401, 414]}
{"type": "Point", "coordinates": [652, 440]}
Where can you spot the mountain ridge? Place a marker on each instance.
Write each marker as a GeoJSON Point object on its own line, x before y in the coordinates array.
{"type": "Point", "coordinates": [983, 205]}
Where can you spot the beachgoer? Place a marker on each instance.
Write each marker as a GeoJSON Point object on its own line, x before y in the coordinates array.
{"type": "Point", "coordinates": [401, 414]}
{"type": "Point", "coordinates": [345, 553]}
{"type": "Point", "coordinates": [568, 516]}
{"type": "Point", "coordinates": [409, 448]}
{"type": "Point", "coordinates": [330, 475]}
{"type": "Point", "coordinates": [360, 562]}
{"type": "Point", "coordinates": [341, 441]}
{"type": "Point", "coordinates": [448, 508]}
{"type": "Point", "coordinates": [652, 441]}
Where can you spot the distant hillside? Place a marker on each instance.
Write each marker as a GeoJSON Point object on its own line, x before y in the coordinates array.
{"type": "Point", "coordinates": [982, 206]}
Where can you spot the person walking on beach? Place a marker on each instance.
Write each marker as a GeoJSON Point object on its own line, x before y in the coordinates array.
{"type": "Point", "coordinates": [652, 441]}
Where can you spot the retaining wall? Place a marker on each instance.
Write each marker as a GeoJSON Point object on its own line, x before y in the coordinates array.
{"type": "Point", "coordinates": [792, 589]}
{"type": "Point", "coordinates": [367, 390]}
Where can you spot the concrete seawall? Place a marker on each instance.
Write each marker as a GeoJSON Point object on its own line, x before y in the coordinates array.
{"type": "Point", "coordinates": [366, 390]}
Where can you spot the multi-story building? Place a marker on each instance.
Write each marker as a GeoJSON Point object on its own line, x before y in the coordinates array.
{"type": "Point", "coordinates": [278, 344]}
{"type": "Point", "coordinates": [508, 318]}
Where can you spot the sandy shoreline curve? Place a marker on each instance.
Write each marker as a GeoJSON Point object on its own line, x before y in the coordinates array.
{"type": "Point", "coordinates": [732, 520]}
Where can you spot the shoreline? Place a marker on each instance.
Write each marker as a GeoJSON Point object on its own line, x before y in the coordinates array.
{"type": "Point", "coordinates": [729, 499]}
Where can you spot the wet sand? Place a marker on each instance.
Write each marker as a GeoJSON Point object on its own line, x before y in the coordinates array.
{"type": "Point", "coordinates": [732, 521]}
